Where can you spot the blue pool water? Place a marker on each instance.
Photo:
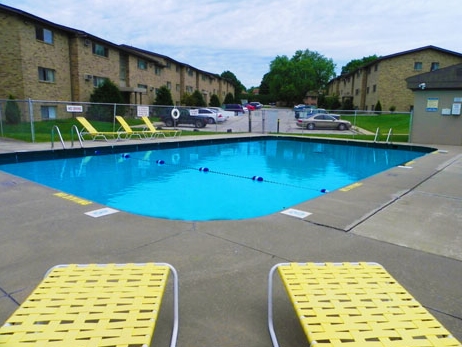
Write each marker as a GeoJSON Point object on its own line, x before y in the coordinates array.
{"type": "Point", "coordinates": [213, 182]}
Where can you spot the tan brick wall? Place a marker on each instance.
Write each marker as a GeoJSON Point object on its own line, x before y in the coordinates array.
{"type": "Point", "coordinates": [11, 74]}
{"type": "Point", "coordinates": [71, 57]}
{"type": "Point", "coordinates": [389, 80]}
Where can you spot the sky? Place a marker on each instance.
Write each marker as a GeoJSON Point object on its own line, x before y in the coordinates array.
{"type": "Point", "coordinates": [245, 36]}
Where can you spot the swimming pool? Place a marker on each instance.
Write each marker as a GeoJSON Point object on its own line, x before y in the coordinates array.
{"type": "Point", "coordinates": [219, 181]}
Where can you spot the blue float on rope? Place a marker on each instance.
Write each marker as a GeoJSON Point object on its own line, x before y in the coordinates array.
{"type": "Point", "coordinates": [204, 169]}
{"type": "Point", "coordinates": [126, 155]}
{"type": "Point", "coordinates": [257, 178]}
{"type": "Point", "coordinates": [324, 190]}
{"type": "Point", "coordinates": [160, 162]}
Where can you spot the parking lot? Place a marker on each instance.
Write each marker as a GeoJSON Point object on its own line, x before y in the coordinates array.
{"type": "Point", "coordinates": [271, 120]}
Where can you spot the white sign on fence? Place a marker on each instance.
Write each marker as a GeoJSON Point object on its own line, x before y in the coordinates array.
{"type": "Point", "coordinates": [142, 111]}
{"type": "Point", "coordinates": [74, 108]}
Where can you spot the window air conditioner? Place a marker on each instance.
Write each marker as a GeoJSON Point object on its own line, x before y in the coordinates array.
{"type": "Point", "coordinates": [87, 77]}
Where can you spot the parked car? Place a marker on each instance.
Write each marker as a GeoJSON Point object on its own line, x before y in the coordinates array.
{"type": "Point", "coordinates": [322, 111]}
{"type": "Point", "coordinates": [185, 117]}
{"type": "Point", "coordinates": [322, 121]}
{"type": "Point", "coordinates": [250, 107]}
{"type": "Point", "coordinates": [226, 114]}
{"type": "Point", "coordinates": [301, 108]}
{"type": "Point", "coordinates": [234, 107]}
{"type": "Point", "coordinates": [256, 104]}
{"type": "Point", "coordinates": [212, 116]}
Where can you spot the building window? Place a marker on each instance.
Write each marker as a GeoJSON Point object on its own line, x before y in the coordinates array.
{"type": "Point", "coordinates": [48, 112]}
{"type": "Point", "coordinates": [418, 66]}
{"type": "Point", "coordinates": [435, 66]}
{"type": "Point", "coordinates": [46, 75]}
{"type": "Point", "coordinates": [157, 70]}
{"type": "Point", "coordinates": [142, 64]}
{"type": "Point", "coordinates": [169, 65]}
{"type": "Point", "coordinates": [143, 86]}
{"type": "Point", "coordinates": [169, 85]}
{"type": "Point", "coordinates": [44, 35]}
{"type": "Point", "coordinates": [367, 90]}
{"type": "Point", "coordinates": [98, 81]}
{"type": "Point", "coordinates": [178, 69]}
{"type": "Point", "coordinates": [177, 87]}
{"type": "Point", "coordinates": [100, 50]}
{"type": "Point", "coordinates": [357, 92]}
{"type": "Point", "coordinates": [190, 72]}
{"type": "Point", "coordinates": [376, 67]}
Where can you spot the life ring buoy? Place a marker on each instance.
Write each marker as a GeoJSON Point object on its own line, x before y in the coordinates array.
{"type": "Point", "coordinates": [175, 113]}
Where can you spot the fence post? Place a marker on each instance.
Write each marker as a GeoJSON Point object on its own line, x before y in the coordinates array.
{"type": "Point", "coordinates": [31, 116]}
{"type": "Point", "coordinates": [1, 120]}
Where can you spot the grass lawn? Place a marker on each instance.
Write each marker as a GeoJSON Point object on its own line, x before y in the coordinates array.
{"type": "Point", "coordinates": [398, 122]}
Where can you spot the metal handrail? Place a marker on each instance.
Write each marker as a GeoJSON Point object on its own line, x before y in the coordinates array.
{"type": "Point", "coordinates": [78, 136]}
{"type": "Point", "coordinates": [390, 132]}
{"type": "Point", "coordinates": [376, 134]}
{"type": "Point", "coordinates": [53, 136]}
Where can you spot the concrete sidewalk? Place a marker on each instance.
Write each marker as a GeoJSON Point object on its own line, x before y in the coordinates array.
{"type": "Point", "coordinates": [407, 219]}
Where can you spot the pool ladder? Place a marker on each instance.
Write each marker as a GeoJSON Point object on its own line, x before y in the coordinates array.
{"type": "Point", "coordinates": [390, 132]}
{"type": "Point", "coordinates": [73, 129]}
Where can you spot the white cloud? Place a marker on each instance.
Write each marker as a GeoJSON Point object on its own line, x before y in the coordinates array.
{"type": "Point", "coordinates": [244, 36]}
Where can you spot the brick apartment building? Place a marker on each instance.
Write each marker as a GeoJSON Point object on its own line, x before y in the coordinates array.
{"type": "Point", "coordinates": [384, 79]}
{"type": "Point", "coordinates": [46, 61]}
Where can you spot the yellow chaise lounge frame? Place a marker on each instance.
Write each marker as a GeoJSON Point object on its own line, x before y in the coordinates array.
{"type": "Point", "coordinates": [129, 131]}
{"type": "Point", "coordinates": [93, 305]}
{"type": "Point", "coordinates": [355, 304]}
{"type": "Point", "coordinates": [89, 129]}
{"type": "Point", "coordinates": [152, 129]}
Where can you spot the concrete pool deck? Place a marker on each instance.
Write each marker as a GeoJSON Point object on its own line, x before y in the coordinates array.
{"type": "Point", "coordinates": [408, 219]}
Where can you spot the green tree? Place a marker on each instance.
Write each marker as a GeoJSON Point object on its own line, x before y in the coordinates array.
{"type": "Point", "coordinates": [214, 101]}
{"type": "Point", "coordinates": [238, 86]}
{"type": "Point", "coordinates": [290, 79]}
{"type": "Point", "coordinates": [106, 93]}
{"type": "Point", "coordinates": [12, 112]}
{"type": "Point", "coordinates": [163, 96]}
{"type": "Point", "coordinates": [229, 99]}
{"type": "Point", "coordinates": [357, 63]}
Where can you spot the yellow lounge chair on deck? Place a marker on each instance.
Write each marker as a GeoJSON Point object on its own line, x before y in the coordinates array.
{"type": "Point", "coordinates": [152, 129]}
{"type": "Point", "coordinates": [355, 304]}
{"type": "Point", "coordinates": [128, 130]}
{"type": "Point", "coordinates": [93, 305]}
{"type": "Point", "coordinates": [89, 129]}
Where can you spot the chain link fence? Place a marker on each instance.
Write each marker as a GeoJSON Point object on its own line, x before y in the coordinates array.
{"type": "Point", "coordinates": [36, 120]}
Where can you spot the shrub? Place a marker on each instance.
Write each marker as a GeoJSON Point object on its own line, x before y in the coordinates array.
{"type": "Point", "coordinates": [378, 107]}
{"type": "Point", "coordinates": [12, 112]}
{"type": "Point", "coordinates": [198, 99]}
{"type": "Point", "coordinates": [214, 101]}
{"type": "Point", "coordinates": [107, 93]}
{"type": "Point", "coordinates": [229, 99]}
{"type": "Point", "coordinates": [163, 96]}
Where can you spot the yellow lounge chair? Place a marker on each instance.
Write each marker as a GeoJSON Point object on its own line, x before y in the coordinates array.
{"type": "Point", "coordinates": [128, 130]}
{"type": "Point", "coordinates": [355, 304]}
{"type": "Point", "coordinates": [93, 305]}
{"type": "Point", "coordinates": [152, 129]}
{"type": "Point", "coordinates": [89, 129]}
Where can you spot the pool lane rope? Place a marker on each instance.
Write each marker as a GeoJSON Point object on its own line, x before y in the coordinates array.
{"type": "Point", "coordinates": [255, 178]}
